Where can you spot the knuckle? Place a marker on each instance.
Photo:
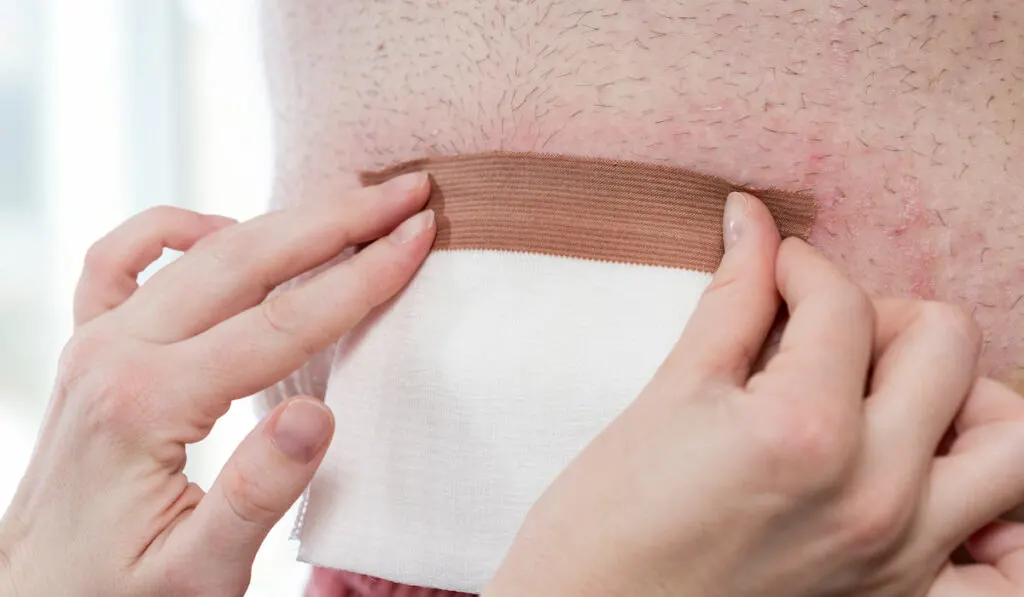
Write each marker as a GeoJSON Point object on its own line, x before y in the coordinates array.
{"type": "Point", "coordinates": [99, 258]}
{"type": "Point", "coordinates": [113, 400]}
{"type": "Point", "coordinates": [249, 495]}
{"type": "Point", "coordinates": [854, 303]}
{"type": "Point", "coordinates": [814, 447]}
{"type": "Point", "coordinates": [804, 438]}
{"type": "Point", "coordinates": [284, 317]}
{"type": "Point", "coordinates": [875, 520]}
{"type": "Point", "coordinates": [280, 314]}
{"type": "Point", "coordinates": [108, 390]}
{"type": "Point", "coordinates": [80, 354]}
{"type": "Point", "coordinates": [159, 215]}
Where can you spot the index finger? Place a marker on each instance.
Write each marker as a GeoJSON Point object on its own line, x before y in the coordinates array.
{"type": "Point", "coordinates": [259, 347]}
{"type": "Point", "coordinates": [827, 344]}
{"type": "Point", "coordinates": [241, 265]}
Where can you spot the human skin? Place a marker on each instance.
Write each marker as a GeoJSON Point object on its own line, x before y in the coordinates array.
{"type": "Point", "coordinates": [826, 484]}
{"type": "Point", "coordinates": [899, 116]}
{"type": "Point", "coordinates": [104, 507]}
{"type": "Point", "coordinates": [830, 442]}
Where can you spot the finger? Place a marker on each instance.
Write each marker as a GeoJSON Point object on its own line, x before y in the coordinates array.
{"type": "Point", "coordinates": [974, 580]}
{"type": "Point", "coordinates": [219, 279]}
{"type": "Point", "coordinates": [826, 346]}
{"type": "Point", "coordinates": [726, 331]}
{"type": "Point", "coordinates": [977, 482]}
{"type": "Point", "coordinates": [1001, 545]}
{"type": "Point", "coordinates": [260, 482]}
{"type": "Point", "coordinates": [992, 402]}
{"type": "Point", "coordinates": [772, 342]}
{"type": "Point", "coordinates": [257, 348]}
{"type": "Point", "coordinates": [999, 542]}
{"type": "Point", "coordinates": [113, 264]}
{"type": "Point", "coordinates": [919, 383]}
{"type": "Point", "coordinates": [989, 402]}
{"type": "Point", "coordinates": [892, 317]}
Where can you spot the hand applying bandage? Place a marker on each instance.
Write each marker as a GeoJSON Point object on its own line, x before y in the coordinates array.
{"type": "Point", "coordinates": [819, 474]}
{"type": "Point", "coordinates": [825, 473]}
{"type": "Point", "coordinates": [104, 508]}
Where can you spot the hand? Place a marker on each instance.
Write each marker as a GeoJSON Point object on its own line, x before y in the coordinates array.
{"type": "Point", "coordinates": [822, 474]}
{"type": "Point", "coordinates": [104, 508]}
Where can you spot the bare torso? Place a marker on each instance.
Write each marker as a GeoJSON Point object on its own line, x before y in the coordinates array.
{"type": "Point", "coordinates": [900, 116]}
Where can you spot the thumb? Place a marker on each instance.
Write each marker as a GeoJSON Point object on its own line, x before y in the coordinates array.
{"type": "Point", "coordinates": [732, 320]}
{"type": "Point", "coordinates": [262, 479]}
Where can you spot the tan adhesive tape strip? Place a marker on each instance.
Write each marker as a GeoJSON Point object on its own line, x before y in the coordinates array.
{"type": "Point", "coordinates": [589, 208]}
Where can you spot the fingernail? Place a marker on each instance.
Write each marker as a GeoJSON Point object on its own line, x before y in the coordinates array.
{"type": "Point", "coordinates": [413, 227]}
{"type": "Point", "coordinates": [302, 430]}
{"type": "Point", "coordinates": [735, 220]}
{"type": "Point", "coordinates": [407, 183]}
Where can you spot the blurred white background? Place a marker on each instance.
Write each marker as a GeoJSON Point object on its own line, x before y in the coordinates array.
{"type": "Point", "coordinates": [108, 107]}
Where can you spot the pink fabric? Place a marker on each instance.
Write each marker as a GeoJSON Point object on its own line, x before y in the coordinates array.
{"type": "Point", "coordinates": [325, 582]}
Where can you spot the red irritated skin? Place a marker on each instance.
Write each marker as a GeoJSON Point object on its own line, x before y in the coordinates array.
{"type": "Point", "coordinates": [900, 116]}
{"type": "Point", "coordinates": [337, 583]}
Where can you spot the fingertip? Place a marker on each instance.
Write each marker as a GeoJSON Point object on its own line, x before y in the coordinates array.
{"type": "Point", "coordinates": [739, 305]}
{"type": "Point", "coordinates": [751, 240]}
{"type": "Point", "coordinates": [396, 258]}
{"type": "Point", "coordinates": [374, 211]}
{"type": "Point", "coordinates": [414, 183]}
{"type": "Point", "coordinates": [264, 476]}
{"type": "Point", "coordinates": [988, 458]}
{"type": "Point", "coordinates": [791, 248]}
{"type": "Point", "coordinates": [735, 218]}
{"type": "Point", "coordinates": [760, 213]}
{"type": "Point", "coordinates": [794, 260]}
{"type": "Point", "coordinates": [994, 541]}
{"type": "Point", "coordinates": [989, 402]}
{"type": "Point", "coordinates": [795, 244]}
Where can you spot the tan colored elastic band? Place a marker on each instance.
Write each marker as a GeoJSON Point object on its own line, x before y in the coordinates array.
{"type": "Point", "coordinates": [587, 208]}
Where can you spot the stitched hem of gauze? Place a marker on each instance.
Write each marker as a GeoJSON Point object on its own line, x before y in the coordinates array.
{"type": "Point", "coordinates": [590, 208]}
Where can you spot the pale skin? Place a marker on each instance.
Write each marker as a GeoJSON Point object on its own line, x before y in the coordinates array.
{"type": "Point", "coordinates": [901, 117]}
{"type": "Point", "coordinates": [104, 502]}
{"type": "Point", "coordinates": [826, 456]}
{"type": "Point", "coordinates": [822, 476]}
{"type": "Point", "coordinates": [878, 109]}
